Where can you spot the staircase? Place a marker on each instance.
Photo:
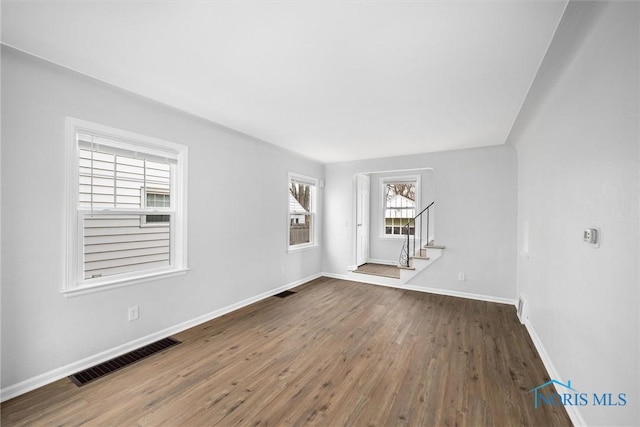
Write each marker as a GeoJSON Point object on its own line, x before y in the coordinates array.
{"type": "Point", "coordinates": [417, 260]}
{"type": "Point", "coordinates": [409, 251]}
{"type": "Point", "coordinates": [430, 254]}
{"type": "Point", "coordinates": [418, 253]}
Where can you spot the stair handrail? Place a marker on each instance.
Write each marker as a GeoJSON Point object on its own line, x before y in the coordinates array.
{"type": "Point", "coordinates": [405, 257]}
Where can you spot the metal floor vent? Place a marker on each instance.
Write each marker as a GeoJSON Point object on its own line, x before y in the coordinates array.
{"type": "Point", "coordinates": [284, 294]}
{"type": "Point", "coordinates": [84, 377]}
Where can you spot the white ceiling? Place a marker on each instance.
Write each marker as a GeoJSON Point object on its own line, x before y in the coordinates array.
{"type": "Point", "coordinates": [333, 80]}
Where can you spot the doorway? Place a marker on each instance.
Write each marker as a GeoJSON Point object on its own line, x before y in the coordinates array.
{"type": "Point", "coordinates": [363, 191]}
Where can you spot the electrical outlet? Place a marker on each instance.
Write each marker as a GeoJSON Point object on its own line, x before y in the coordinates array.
{"type": "Point", "coordinates": [591, 236]}
{"type": "Point", "coordinates": [282, 269]}
{"type": "Point", "coordinates": [461, 277]}
{"type": "Point", "coordinates": [522, 309]}
{"type": "Point", "coordinates": [133, 313]}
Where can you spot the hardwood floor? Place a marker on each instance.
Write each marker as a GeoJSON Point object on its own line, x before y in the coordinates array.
{"type": "Point", "coordinates": [335, 353]}
{"type": "Point", "coordinates": [379, 270]}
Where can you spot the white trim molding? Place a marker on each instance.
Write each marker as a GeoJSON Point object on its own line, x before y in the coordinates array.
{"type": "Point", "coordinates": [314, 237]}
{"type": "Point", "coordinates": [85, 136]}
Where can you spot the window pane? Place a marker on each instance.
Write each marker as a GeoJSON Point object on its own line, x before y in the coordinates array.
{"type": "Point", "coordinates": [299, 229]}
{"type": "Point", "coordinates": [302, 197]}
{"type": "Point", "coordinates": [400, 206]}
{"type": "Point", "coordinates": [153, 219]}
{"type": "Point", "coordinates": [116, 244]}
{"type": "Point", "coordinates": [302, 193]}
{"type": "Point", "coordinates": [412, 231]}
{"type": "Point", "coordinates": [157, 200]}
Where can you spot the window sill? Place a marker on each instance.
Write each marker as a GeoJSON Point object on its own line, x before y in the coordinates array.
{"type": "Point", "coordinates": [121, 282]}
{"type": "Point", "coordinates": [301, 248]}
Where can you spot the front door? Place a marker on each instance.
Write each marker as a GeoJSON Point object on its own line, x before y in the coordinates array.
{"type": "Point", "coordinates": [362, 219]}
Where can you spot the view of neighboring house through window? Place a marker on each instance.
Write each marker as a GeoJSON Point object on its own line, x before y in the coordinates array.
{"type": "Point", "coordinates": [302, 220]}
{"type": "Point", "coordinates": [399, 206]}
{"type": "Point", "coordinates": [157, 198]}
{"type": "Point", "coordinates": [128, 208]}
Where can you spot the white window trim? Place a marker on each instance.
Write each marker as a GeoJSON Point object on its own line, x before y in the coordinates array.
{"type": "Point", "coordinates": [74, 283]}
{"type": "Point", "coordinates": [383, 205]}
{"type": "Point", "coordinates": [314, 213]}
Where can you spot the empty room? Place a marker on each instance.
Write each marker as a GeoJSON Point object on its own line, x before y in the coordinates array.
{"type": "Point", "coordinates": [323, 213]}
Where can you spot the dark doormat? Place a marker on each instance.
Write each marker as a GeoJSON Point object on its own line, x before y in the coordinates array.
{"type": "Point", "coordinates": [84, 377]}
{"type": "Point", "coordinates": [284, 294]}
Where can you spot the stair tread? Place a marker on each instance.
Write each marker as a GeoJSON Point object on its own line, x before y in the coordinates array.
{"type": "Point", "coordinates": [434, 247]}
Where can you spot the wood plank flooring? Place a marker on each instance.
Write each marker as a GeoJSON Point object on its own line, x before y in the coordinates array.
{"type": "Point", "coordinates": [379, 270]}
{"type": "Point", "coordinates": [336, 353]}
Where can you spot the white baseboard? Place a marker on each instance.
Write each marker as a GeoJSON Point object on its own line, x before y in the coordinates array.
{"type": "Point", "coordinates": [64, 371]}
{"type": "Point", "coordinates": [572, 411]}
{"type": "Point", "coordinates": [438, 291]}
{"type": "Point", "coordinates": [477, 297]}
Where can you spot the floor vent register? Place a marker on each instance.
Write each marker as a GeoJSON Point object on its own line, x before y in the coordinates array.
{"type": "Point", "coordinates": [95, 372]}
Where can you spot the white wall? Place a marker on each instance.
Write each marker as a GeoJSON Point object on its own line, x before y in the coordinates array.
{"type": "Point", "coordinates": [476, 218]}
{"type": "Point", "coordinates": [384, 248]}
{"type": "Point", "coordinates": [42, 330]}
{"type": "Point", "coordinates": [577, 141]}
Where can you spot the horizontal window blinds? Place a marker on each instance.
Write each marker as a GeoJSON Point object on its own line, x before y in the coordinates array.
{"type": "Point", "coordinates": [110, 180]}
{"type": "Point", "coordinates": [400, 181]}
{"type": "Point", "coordinates": [297, 180]}
{"type": "Point", "coordinates": [101, 144]}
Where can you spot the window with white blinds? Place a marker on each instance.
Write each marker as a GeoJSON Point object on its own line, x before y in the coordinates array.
{"type": "Point", "coordinates": [128, 196]}
{"type": "Point", "coordinates": [120, 180]}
